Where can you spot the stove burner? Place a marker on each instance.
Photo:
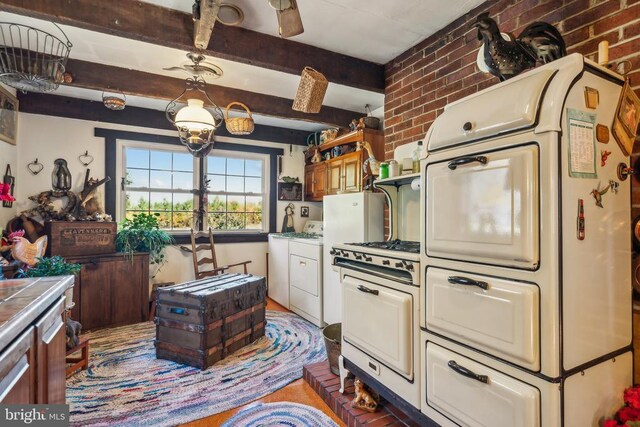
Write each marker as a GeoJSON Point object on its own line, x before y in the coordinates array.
{"type": "Point", "coordinates": [393, 245]}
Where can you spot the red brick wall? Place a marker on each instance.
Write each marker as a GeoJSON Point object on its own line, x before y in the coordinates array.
{"type": "Point", "coordinates": [442, 68]}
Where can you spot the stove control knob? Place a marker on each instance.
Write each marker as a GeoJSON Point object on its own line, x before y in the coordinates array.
{"type": "Point", "coordinates": [333, 252]}
{"type": "Point", "coordinates": [358, 256]}
{"type": "Point", "coordinates": [409, 266]}
{"type": "Point", "coordinates": [368, 258]}
{"type": "Point", "coordinates": [385, 262]}
{"type": "Point", "coordinates": [399, 265]}
{"type": "Point", "coordinates": [345, 254]}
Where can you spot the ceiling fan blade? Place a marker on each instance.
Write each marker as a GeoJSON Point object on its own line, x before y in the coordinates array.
{"type": "Point", "coordinates": [289, 21]}
{"type": "Point", "coordinates": [174, 69]}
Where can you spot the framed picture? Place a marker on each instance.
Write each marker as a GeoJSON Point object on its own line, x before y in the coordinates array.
{"type": "Point", "coordinates": [304, 211]}
{"type": "Point", "coordinates": [8, 117]}
{"type": "Point", "coordinates": [290, 192]}
{"type": "Point", "coordinates": [625, 122]}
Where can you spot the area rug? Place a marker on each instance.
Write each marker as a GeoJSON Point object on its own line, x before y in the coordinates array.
{"type": "Point", "coordinates": [126, 385]}
{"type": "Point", "coordinates": [280, 414]}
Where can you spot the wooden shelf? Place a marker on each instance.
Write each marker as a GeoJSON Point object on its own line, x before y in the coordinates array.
{"type": "Point", "coordinates": [355, 136]}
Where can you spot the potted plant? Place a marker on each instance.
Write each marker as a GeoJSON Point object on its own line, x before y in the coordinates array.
{"type": "Point", "coordinates": [142, 233]}
{"type": "Point", "coordinates": [50, 266]}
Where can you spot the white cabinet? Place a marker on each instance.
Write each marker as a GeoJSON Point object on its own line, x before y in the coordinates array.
{"type": "Point", "coordinates": [278, 284]}
{"type": "Point", "coordinates": [305, 280]}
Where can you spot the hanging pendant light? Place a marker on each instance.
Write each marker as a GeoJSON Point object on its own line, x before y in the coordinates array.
{"type": "Point", "coordinates": [195, 123]}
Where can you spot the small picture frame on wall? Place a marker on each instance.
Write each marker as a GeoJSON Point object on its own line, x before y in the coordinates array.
{"type": "Point", "coordinates": [290, 191]}
{"type": "Point", "coordinates": [8, 117]}
{"type": "Point", "coordinates": [626, 120]}
{"type": "Point", "coordinates": [304, 211]}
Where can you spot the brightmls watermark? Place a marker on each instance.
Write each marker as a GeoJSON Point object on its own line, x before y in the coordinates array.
{"type": "Point", "coordinates": [34, 415]}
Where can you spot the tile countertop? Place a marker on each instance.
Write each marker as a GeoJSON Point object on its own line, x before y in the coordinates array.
{"type": "Point", "coordinates": [22, 301]}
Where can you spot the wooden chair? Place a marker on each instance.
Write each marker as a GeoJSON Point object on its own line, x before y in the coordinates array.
{"type": "Point", "coordinates": [197, 263]}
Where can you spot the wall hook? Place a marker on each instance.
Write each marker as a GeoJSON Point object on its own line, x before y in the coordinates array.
{"type": "Point", "coordinates": [86, 159]}
{"type": "Point", "coordinates": [34, 167]}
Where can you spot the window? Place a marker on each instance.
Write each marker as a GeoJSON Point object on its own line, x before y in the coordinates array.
{"type": "Point", "coordinates": [162, 180]}
{"type": "Point", "coordinates": [237, 191]}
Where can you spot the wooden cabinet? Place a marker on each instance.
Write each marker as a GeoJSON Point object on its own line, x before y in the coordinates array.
{"type": "Point", "coordinates": [50, 356]}
{"type": "Point", "coordinates": [315, 178]}
{"type": "Point", "coordinates": [17, 371]}
{"type": "Point", "coordinates": [111, 290]}
{"type": "Point", "coordinates": [342, 173]}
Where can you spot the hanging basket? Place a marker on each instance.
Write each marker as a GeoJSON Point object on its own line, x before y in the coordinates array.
{"type": "Point", "coordinates": [239, 125]}
{"type": "Point", "coordinates": [313, 85]}
{"type": "Point", "coordinates": [32, 60]}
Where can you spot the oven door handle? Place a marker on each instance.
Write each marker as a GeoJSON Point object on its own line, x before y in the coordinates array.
{"type": "Point", "coordinates": [366, 290]}
{"type": "Point", "coordinates": [467, 373]}
{"type": "Point", "coordinates": [465, 281]}
{"type": "Point", "coordinates": [453, 164]}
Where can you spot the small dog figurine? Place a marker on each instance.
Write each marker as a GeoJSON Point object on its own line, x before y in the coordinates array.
{"type": "Point", "coordinates": [363, 399]}
{"type": "Point", "coordinates": [72, 329]}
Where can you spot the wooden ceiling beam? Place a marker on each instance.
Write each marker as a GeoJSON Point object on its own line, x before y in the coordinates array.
{"type": "Point", "coordinates": [74, 108]}
{"type": "Point", "coordinates": [94, 76]}
{"type": "Point", "coordinates": [166, 27]}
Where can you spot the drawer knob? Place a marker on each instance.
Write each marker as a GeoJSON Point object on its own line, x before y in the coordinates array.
{"type": "Point", "coordinates": [465, 281]}
{"type": "Point", "coordinates": [453, 164]}
{"type": "Point", "coordinates": [467, 373]}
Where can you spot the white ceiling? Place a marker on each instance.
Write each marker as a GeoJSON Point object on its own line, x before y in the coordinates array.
{"type": "Point", "coordinates": [376, 30]}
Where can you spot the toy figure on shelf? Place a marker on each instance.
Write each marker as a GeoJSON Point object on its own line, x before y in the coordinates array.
{"type": "Point", "coordinates": [27, 252]}
{"type": "Point", "coordinates": [287, 223]}
{"type": "Point", "coordinates": [363, 398]}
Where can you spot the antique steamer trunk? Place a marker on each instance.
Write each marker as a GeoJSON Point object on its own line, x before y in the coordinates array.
{"type": "Point", "coordinates": [76, 238]}
{"type": "Point", "coordinates": [199, 323]}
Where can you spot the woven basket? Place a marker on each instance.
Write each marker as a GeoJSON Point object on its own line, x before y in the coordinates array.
{"type": "Point", "coordinates": [311, 90]}
{"type": "Point", "coordinates": [239, 125]}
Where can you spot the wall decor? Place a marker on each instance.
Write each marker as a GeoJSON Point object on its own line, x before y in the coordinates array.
{"type": "Point", "coordinates": [287, 221]}
{"type": "Point", "coordinates": [86, 159]}
{"type": "Point", "coordinates": [60, 177]}
{"type": "Point", "coordinates": [627, 118]}
{"type": "Point", "coordinates": [10, 181]}
{"type": "Point", "coordinates": [8, 117]}
{"type": "Point", "coordinates": [35, 167]}
{"type": "Point", "coordinates": [290, 191]}
{"type": "Point", "coordinates": [304, 211]}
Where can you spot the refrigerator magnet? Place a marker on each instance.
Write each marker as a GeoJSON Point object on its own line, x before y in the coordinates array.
{"type": "Point", "coordinates": [604, 155]}
{"type": "Point", "coordinates": [581, 144]}
{"type": "Point", "coordinates": [591, 97]}
{"type": "Point", "coordinates": [597, 194]}
{"type": "Point", "coordinates": [580, 220]}
{"type": "Point", "coordinates": [602, 134]}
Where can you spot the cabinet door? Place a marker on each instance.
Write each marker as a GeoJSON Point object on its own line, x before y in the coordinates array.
{"type": "Point", "coordinates": [95, 295]}
{"type": "Point", "coordinates": [334, 177]}
{"type": "Point", "coordinates": [50, 355]}
{"type": "Point", "coordinates": [129, 290]}
{"type": "Point", "coordinates": [319, 181]}
{"type": "Point", "coordinates": [17, 371]}
{"type": "Point", "coordinates": [351, 172]}
{"type": "Point", "coordinates": [309, 172]}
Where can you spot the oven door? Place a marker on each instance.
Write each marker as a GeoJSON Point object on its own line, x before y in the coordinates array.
{"type": "Point", "coordinates": [483, 207]}
{"type": "Point", "coordinates": [378, 320]}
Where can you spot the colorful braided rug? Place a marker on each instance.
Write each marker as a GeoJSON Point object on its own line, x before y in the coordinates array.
{"type": "Point", "coordinates": [280, 414]}
{"type": "Point", "coordinates": [126, 385]}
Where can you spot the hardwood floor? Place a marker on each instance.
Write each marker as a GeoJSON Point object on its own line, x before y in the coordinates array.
{"type": "Point", "coordinates": [298, 391]}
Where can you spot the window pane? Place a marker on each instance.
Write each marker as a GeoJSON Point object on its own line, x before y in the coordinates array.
{"type": "Point", "coordinates": [254, 204]}
{"type": "Point", "coordinates": [253, 185]}
{"type": "Point", "coordinates": [235, 184]}
{"type": "Point", "coordinates": [164, 219]}
{"type": "Point", "coordinates": [235, 166]}
{"type": "Point", "coordinates": [182, 220]}
{"type": "Point", "coordinates": [137, 158]}
{"type": "Point", "coordinates": [235, 204]}
{"type": "Point", "coordinates": [216, 165]}
{"type": "Point", "coordinates": [217, 204]}
{"type": "Point", "coordinates": [253, 167]}
{"type": "Point", "coordinates": [235, 221]}
{"type": "Point", "coordinates": [182, 162]}
{"type": "Point", "coordinates": [137, 200]}
{"type": "Point", "coordinates": [160, 201]}
{"type": "Point", "coordinates": [217, 182]}
{"type": "Point", "coordinates": [254, 221]}
{"type": "Point", "coordinates": [161, 160]}
{"type": "Point", "coordinates": [217, 221]}
{"type": "Point", "coordinates": [137, 178]}
{"type": "Point", "coordinates": [160, 179]}
{"type": "Point", "coordinates": [182, 202]}
{"type": "Point", "coordinates": [182, 181]}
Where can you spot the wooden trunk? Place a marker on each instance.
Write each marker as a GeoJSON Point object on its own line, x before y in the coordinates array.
{"type": "Point", "coordinates": [199, 323]}
{"type": "Point", "coordinates": [78, 238]}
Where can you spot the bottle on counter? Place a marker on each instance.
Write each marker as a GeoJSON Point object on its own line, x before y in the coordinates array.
{"type": "Point", "coordinates": [417, 153]}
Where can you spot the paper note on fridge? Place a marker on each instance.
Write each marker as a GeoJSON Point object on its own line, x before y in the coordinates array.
{"type": "Point", "coordinates": [582, 144]}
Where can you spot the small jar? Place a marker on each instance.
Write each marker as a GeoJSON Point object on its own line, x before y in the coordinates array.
{"type": "Point", "coordinates": [384, 170]}
{"type": "Point", "coordinates": [394, 169]}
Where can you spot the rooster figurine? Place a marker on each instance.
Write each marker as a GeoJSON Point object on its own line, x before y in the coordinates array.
{"type": "Point", "coordinates": [539, 42]}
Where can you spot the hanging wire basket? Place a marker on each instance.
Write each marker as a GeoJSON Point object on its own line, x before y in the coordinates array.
{"type": "Point", "coordinates": [32, 60]}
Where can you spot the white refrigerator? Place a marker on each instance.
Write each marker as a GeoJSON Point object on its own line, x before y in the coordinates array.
{"type": "Point", "coordinates": [347, 218]}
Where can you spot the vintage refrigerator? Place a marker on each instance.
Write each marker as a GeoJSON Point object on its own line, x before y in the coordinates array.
{"type": "Point", "coordinates": [526, 253]}
{"type": "Point", "coordinates": [347, 218]}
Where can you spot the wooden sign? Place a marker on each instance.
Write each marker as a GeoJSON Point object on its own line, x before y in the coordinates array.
{"type": "Point", "coordinates": [74, 238]}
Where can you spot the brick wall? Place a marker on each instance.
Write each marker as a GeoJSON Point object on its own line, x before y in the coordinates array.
{"type": "Point", "coordinates": [442, 68]}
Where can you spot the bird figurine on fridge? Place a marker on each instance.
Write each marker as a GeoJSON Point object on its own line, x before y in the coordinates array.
{"type": "Point", "coordinates": [537, 43]}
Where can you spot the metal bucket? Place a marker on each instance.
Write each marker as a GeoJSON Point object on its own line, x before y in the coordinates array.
{"type": "Point", "coordinates": [332, 343]}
